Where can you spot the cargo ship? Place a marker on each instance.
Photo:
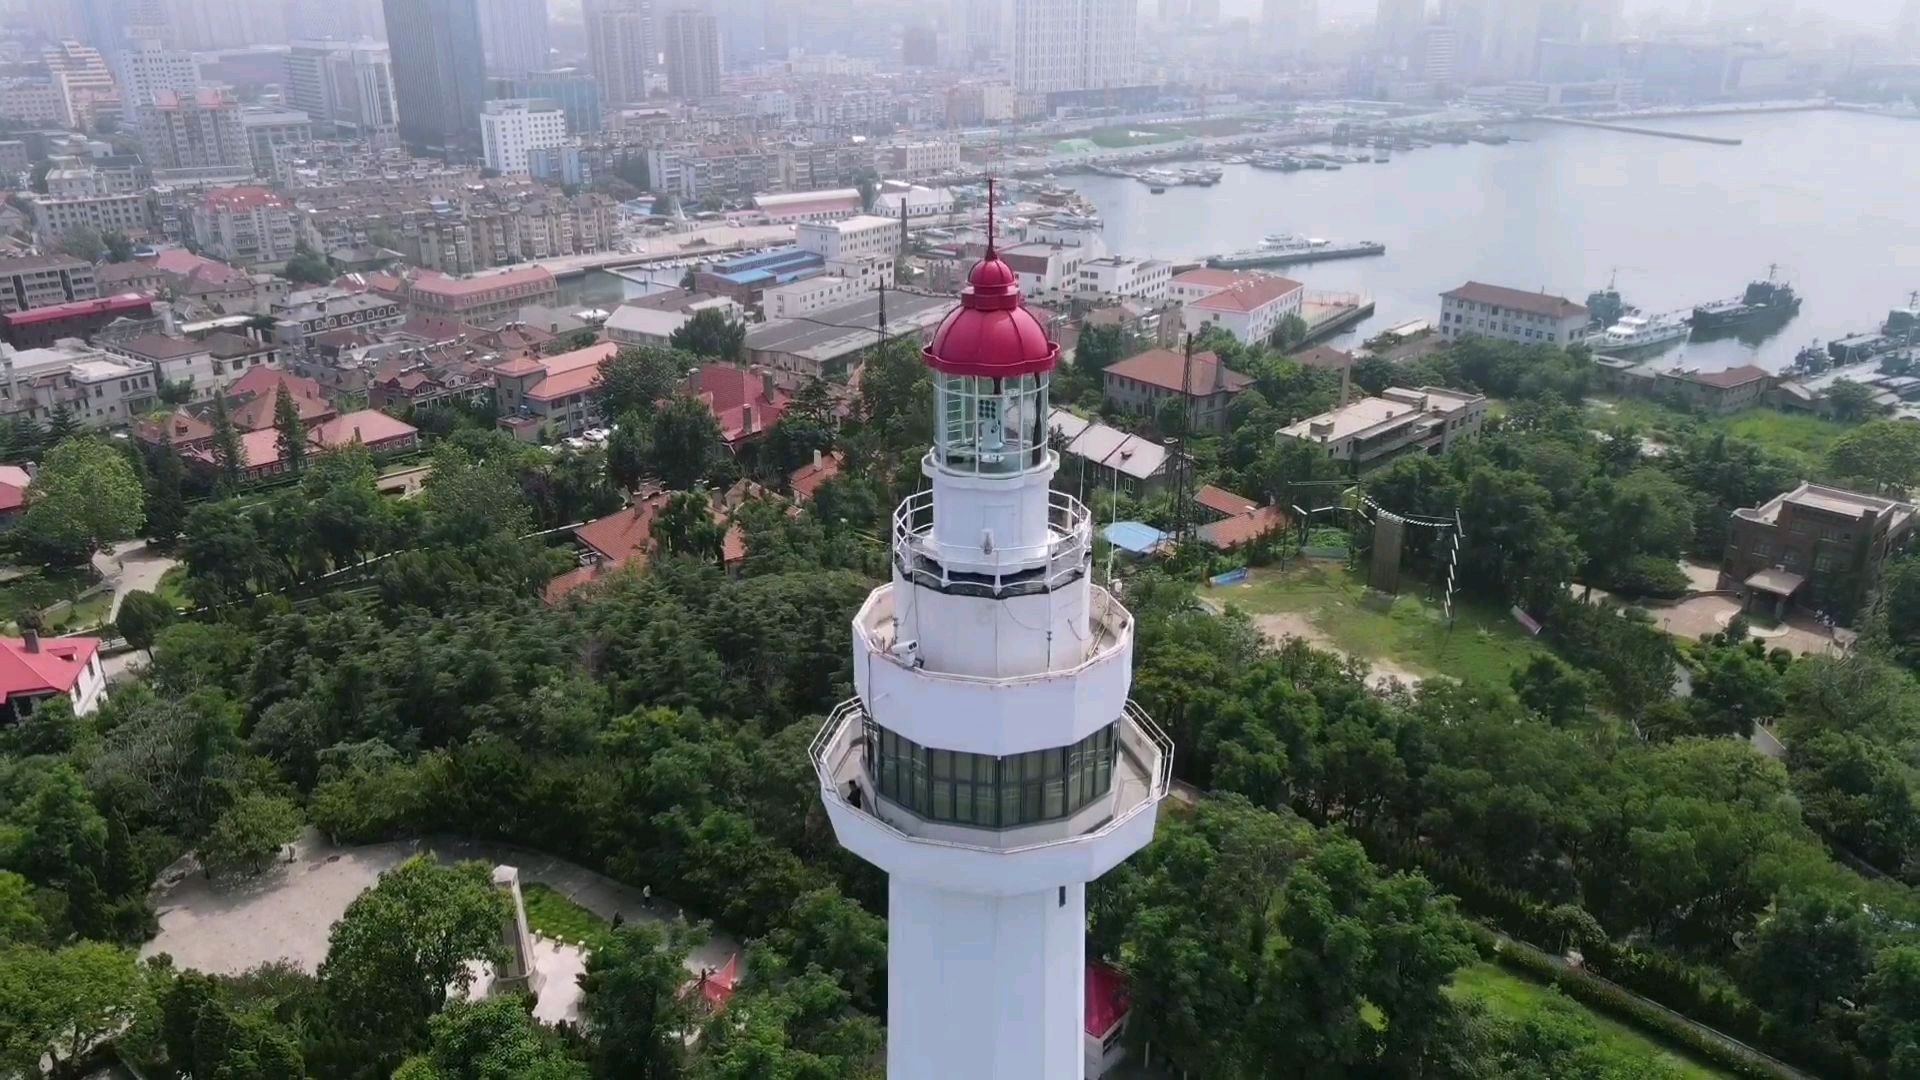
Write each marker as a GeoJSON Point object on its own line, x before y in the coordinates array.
{"type": "Point", "coordinates": [1766, 301]}
{"type": "Point", "coordinates": [1281, 250]}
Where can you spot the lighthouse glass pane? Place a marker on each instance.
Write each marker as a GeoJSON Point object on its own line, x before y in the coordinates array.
{"type": "Point", "coordinates": [990, 792]}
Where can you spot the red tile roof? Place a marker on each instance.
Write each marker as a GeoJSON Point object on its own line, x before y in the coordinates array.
{"type": "Point", "coordinates": [1534, 303]}
{"type": "Point", "coordinates": [12, 497]}
{"type": "Point", "coordinates": [1251, 295]}
{"type": "Point", "coordinates": [258, 391]}
{"type": "Point", "coordinates": [1241, 528]}
{"type": "Point", "coordinates": [738, 398]}
{"type": "Point", "coordinates": [806, 479]}
{"type": "Point", "coordinates": [1222, 501]}
{"type": "Point", "coordinates": [181, 262]}
{"type": "Point", "coordinates": [1164, 368]}
{"type": "Point", "coordinates": [1210, 278]}
{"type": "Point", "coordinates": [440, 285]}
{"type": "Point", "coordinates": [241, 198]}
{"type": "Point", "coordinates": [51, 670]}
{"type": "Point", "coordinates": [625, 538]}
{"type": "Point", "coordinates": [1729, 378]}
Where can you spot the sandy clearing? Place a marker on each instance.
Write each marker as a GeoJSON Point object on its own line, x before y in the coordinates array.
{"type": "Point", "coordinates": [1383, 674]}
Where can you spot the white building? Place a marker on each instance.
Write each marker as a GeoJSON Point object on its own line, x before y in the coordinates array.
{"type": "Point", "coordinates": [925, 158]}
{"type": "Point", "coordinates": [1047, 268]}
{"type": "Point", "coordinates": [1072, 44]}
{"type": "Point", "coordinates": [1481, 310]}
{"type": "Point", "coordinates": [1372, 430]}
{"type": "Point", "coordinates": [54, 217]}
{"type": "Point", "coordinates": [511, 127]}
{"type": "Point", "coordinates": [345, 88]}
{"type": "Point", "coordinates": [811, 295]}
{"type": "Point", "coordinates": [1121, 278]}
{"type": "Point", "coordinates": [921, 202]}
{"type": "Point", "coordinates": [245, 225]}
{"type": "Point", "coordinates": [1250, 309]}
{"type": "Point", "coordinates": [99, 391]}
{"type": "Point", "coordinates": [991, 763]}
{"type": "Point", "coordinates": [636, 324]}
{"type": "Point", "coordinates": [839, 241]}
{"type": "Point", "coordinates": [833, 204]}
{"type": "Point", "coordinates": [147, 66]}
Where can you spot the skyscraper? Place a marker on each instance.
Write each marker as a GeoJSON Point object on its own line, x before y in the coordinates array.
{"type": "Point", "coordinates": [438, 74]}
{"type": "Point", "coordinates": [1061, 45]}
{"type": "Point", "coordinates": [620, 48]}
{"type": "Point", "coordinates": [147, 66]}
{"type": "Point", "coordinates": [1396, 26]}
{"type": "Point", "coordinates": [513, 34]}
{"type": "Point", "coordinates": [346, 88]}
{"type": "Point", "coordinates": [691, 41]}
{"type": "Point", "coordinates": [990, 763]}
{"type": "Point", "coordinates": [1288, 26]}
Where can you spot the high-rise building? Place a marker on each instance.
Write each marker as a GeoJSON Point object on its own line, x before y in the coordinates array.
{"type": "Point", "coordinates": [1061, 45]}
{"type": "Point", "coordinates": [620, 48]}
{"type": "Point", "coordinates": [147, 66]}
{"type": "Point", "coordinates": [345, 87]}
{"type": "Point", "coordinates": [691, 41]}
{"type": "Point", "coordinates": [83, 78]}
{"type": "Point", "coordinates": [439, 77]}
{"type": "Point", "coordinates": [1397, 24]}
{"type": "Point", "coordinates": [1440, 54]}
{"type": "Point", "coordinates": [513, 34]}
{"type": "Point", "coordinates": [991, 763]}
{"type": "Point", "coordinates": [1288, 26]}
{"type": "Point", "coordinates": [576, 92]}
{"type": "Point", "coordinates": [512, 128]}
{"type": "Point", "coordinates": [1510, 41]}
{"type": "Point", "coordinates": [194, 136]}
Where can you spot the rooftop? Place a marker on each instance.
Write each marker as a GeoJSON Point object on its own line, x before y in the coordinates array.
{"type": "Point", "coordinates": [1397, 405]}
{"type": "Point", "coordinates": [1832, 500]}
{"type": "Point", "coordinates": [1121, 451]}
{"type": "Point", "coordinates": [1222, 501]}
{"type": "Point", "coordinates": [162, 347]}
{"type": "Point", "coordinates": [25, 263]}
{"type": "Point", "coordinates": [1535, 303]}
{"type": "Point", "coordinates": [49, 666]}
{"type": "Point", "coordinates": [828, 197]}
{"type": "Point", "coordinates": [241, 198]}
{"type": "Point", "coordinates": [647, 322]}
{"type": "Point", "coordinates": [1250, 295]}
{"type": "Point", "coordinates": [442, 285]}
{"type": "Point", "coordinates": [1166, 369]}
{"type": "Point", "coordinates": [814, 338]}
{"type": "Point", "coordinates": [1725, 379]}
{"type": "Point", "coordinates": [106, 305]}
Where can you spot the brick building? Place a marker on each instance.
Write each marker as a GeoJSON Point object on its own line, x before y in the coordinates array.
{"type": "Point", "coordinates": [1815, 548]}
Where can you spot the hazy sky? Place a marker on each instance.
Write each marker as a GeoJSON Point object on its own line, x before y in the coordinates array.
{"type": "Point", "coordinates": [1865, 12]}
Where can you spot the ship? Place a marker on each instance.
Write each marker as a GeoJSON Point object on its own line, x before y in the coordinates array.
{"type": "Point", "coordinates": [1606, 307]}
{"type": "Point", "coordinates": [1765, 302]}
{"type": "Point", "coordinates": [1904, 323]}
{"type": "Point", "coordinates": [1636, 333]}
{"type": "Point", "coordinates": [1280, 250]}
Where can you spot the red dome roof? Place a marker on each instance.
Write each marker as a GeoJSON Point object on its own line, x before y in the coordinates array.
{"type": "Point", "coordinates": [991, 333]}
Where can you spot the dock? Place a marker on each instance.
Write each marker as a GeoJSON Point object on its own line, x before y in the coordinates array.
{"type": "Point", "coordinates": [1328, 313]}
{"type": "Point", "coordinates": [1659, 133]}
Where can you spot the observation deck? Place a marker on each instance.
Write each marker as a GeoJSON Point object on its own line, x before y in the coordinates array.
{"type": "Point", "coordinates": [981, 568]}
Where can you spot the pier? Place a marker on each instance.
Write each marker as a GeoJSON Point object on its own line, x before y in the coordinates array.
{"type": "Point", "coordinates": [1659, 133]}
{"type": "Point", "coordinates": [1328, 313]}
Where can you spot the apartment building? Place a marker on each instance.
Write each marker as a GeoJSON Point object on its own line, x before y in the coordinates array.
{"type": "Point", "coordinates": [1477, 309]}
{"type": "Point", "coordinates": [1116, 277]}
{"type": "Point", "coordinates": [1141, 385]}
{"type": "Point", "coordinates": [924, 158]}
{"type": "Point", "coordinates": [274, 136]}
{"type": "Point", "coordinates": [1251, 310]}
{"type": "Point", "coordinates": [96, 390]}
{"type": "Point", "coordinates": [511, 128]}
{"type": "Point", "coordinates": [345, 88]}
{"type": "Point", "coordinates": [1374, 430]}
{"type": "Point", "coordinates": [550, 393]}
{"type": "Point", "coordinates": [803, 298]}
{"type": "Point", "coordinates": [245, 225]}
{"type": "Point", "coordinates": [194, 136]}
{"type": "Point", "coordinates": [54, 217]}
{"type": "Point", "coordinates": [33, 281]}
{"type": "Point", "coordinates": [1815, 548]}
{"type": "Point", "coordinates": [42, 326]}
{"type": "Point", "coordinates": [483, 299]}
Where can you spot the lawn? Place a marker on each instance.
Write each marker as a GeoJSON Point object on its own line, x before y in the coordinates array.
{"type": "Point", "coordinates": [83, 615]}
{"type": "Point", "coordinates": [552, 915]}
{"type": "Point", "coordinates": [1408, 632]}
{"type": "Point", "coordinates": [173, 587]}
{"type": "Point", "coordinates": [1515, 997]}
{"type": "Point", "coordinates": [1798, 436]}
{"type": "Point", "coordinates": [1119, 138]}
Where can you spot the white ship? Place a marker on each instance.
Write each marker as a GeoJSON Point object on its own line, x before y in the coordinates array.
{"type": "Point", "coordinates": [1636, 332]}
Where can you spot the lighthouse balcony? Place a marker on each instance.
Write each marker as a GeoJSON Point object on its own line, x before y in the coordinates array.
{"type": "Point", "coordinates": [1049, 690]}
{"type": "Point", "coordinates": [1018, 824]}
{"type": "Point", "coordinates": [1063, 552]}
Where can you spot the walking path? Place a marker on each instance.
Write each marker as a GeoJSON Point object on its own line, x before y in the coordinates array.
{"type": "Point", "coordinates": [286, 913]}
{"type": "Point", "coordinates": [131, 566]}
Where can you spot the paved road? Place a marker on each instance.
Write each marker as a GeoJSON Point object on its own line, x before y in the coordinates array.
{"type": "Point", "coordinates": [131, 566]}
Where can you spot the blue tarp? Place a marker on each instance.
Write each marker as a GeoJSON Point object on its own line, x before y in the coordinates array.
{"type": "Point", "coordinates": [1136, 537]}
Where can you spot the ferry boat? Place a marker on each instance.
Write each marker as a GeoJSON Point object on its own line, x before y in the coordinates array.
{"type": "Point", "coordinates": [1634, 333]}
{"type": "Point", "coordinates": [1280, 249]}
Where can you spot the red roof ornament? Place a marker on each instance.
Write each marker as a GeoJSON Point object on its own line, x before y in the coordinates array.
{"type": "Point", "coordinates": [991, 333]}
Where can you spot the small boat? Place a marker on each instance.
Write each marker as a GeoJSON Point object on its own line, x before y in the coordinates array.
{"type": "Point", "coordinates": [1635, 332]}
{"type": "Point", "coordinates": [1156, 189]}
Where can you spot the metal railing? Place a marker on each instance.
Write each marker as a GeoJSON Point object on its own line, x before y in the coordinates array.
{"type": "Point", "coordinates": [1067, 551]}
{"type": "Point", "coordinates": [1135, 722]}
{"type": "Point", "coordinates": [1109, 618]}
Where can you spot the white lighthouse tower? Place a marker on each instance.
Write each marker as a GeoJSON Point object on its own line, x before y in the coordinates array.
{"type": "Point", "coordinates": [991, 763]}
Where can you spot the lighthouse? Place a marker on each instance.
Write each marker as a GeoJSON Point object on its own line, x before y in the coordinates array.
{"type": "Point", "coordinates": [990, 761]}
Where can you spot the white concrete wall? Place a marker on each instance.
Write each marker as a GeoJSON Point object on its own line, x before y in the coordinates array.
{"type": "Point", "coordinates": [986, 988]}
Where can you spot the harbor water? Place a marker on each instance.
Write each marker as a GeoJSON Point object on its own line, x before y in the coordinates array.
{"type": "Point", "coordinates": [1831, 197]}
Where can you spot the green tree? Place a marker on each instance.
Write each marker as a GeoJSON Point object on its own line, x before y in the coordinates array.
{"type": "Point", "coordinates": [1891, 1028]}
{"type": "Point", "coordinates": [84, 499]}
{"type": "Point", "coordinates": [229, 459]}
{"type": "Point", "coordinates": [1290, 333]}
{"type": "Point", "coordinates": [20, 920]}
{"type": "Point", "coordinates": [685, 441]}
{"type": "Point", "coordinates": [59, 1005]}
{"type": "Point", "coordinates": [474, 493]}
{"type": "Point", "coordinates": [119, 247]}
{"type": "Point", "coordinates": [494, 1039]}
{"type": "Point", "coordinates": [1550, 687]}
{"type": "Point", "coordinates": [83, 242]}
{"type": "Point", "coordinates": [632, 1005]}
{"type": "Point", "coordinates": [246, 837]}
{"type": "Point", "coordinates": [166, 499]}
{"type": "Point", "coordinates": [1099, 346]}
{"type": "Point", "coordinates": [307, 266]}
{"type": "Point", "coordinates": [1883, 455]}
{"type": "Point", "coordinates": [61, 424]}
{"type": "Point", "coordinates": [1807, 955]}
{"type": "Point", "coordinates": [635, 379]}
{"type": "Point", "coordinates": [1849, 401]}
{"type": "Point", "coordinates": [142, 616]}
{"type": "Point", "coordinates": [685, 526]}
{"type": "Point", "coordinates": [401, 944]}
{"type": "Point", "coordinates": [869, 188]}
{"type": "Point", "coordinates": [711, 333]}
{"type": "Point", "coordinates": [292, 432]}
{"type": "Point", "coordinates": [628, 450]}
